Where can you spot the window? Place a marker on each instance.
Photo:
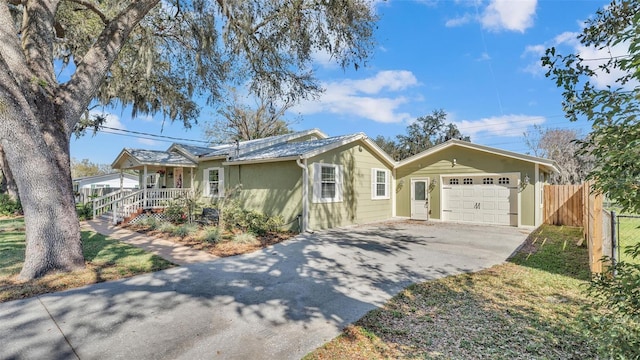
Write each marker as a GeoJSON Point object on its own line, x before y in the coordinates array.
{"type": "Point", "coordinates": [453, 181]}
{"type": "Point", "coordinates": [467, 181]}
{"type": "Point", "coordinates": [379, 184]}
{"type": "Point", "coordinates": [487, 181]}
{"type": "Point", "coordinates": [327, 183]}
{"type": "Point", "coordinates": [503, 181]}
{"type": "Point", "coordinates": [213, 182]}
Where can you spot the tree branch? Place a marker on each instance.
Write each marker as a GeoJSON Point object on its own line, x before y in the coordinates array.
{"type": "Point", "coordinates": [93, 8]}
{"type": "Point", "coordinates": [90, 73]}
{"type": "Point", "coordinates": [11, 52]}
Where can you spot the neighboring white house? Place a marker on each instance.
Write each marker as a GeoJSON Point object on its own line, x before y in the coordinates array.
{"type": "Point", "coordinates": [105, 181]}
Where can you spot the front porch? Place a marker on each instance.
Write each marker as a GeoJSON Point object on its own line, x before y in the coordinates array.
{"type": "Point", "coordinates": [163, 177]}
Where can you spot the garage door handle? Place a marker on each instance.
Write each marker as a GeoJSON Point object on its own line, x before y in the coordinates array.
{"type": "Point", "coordinates": [476, 206]}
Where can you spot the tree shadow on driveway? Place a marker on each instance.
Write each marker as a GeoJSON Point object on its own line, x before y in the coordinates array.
{"type": "Point", "coordinates": [278, 303]}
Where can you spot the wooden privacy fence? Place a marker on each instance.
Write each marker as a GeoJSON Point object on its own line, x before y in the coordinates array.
{"type": "Point", "coordinates": [575, 205]}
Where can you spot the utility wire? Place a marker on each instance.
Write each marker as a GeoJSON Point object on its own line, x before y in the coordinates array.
{"type": "Point", "coordinates": [152, 135]}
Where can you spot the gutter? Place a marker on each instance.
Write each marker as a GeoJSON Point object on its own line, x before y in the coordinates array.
{"type": "Point", "coordinates": [305, 194]}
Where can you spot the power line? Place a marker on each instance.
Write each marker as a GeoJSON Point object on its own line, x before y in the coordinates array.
{"type": "Point", "coordinates": [148, 134]}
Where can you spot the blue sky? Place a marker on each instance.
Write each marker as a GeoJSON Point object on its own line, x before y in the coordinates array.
{"type": "Point", "coordinates": [479, 61]}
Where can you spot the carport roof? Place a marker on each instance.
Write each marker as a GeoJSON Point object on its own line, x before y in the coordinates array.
{"type": "Point", "coordinates": [549, 164]}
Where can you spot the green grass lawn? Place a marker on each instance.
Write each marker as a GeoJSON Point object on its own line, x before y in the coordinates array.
{"type": "Point", "coordinates": [628, 234]}
{"type": "Point", "coordinates": [105, 260]}
{"type": "Point", "coordinates": [527, 308]}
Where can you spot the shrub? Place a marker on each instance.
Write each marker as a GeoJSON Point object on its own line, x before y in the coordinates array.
{"type": "Point", "coordinates": [166, 227]}
{"type": "Point", "coordinates": [617, 299]}
{"type": "Point", "coordinates": [184, 230]}
{"type": "Point", "coordinates": [183, 209]}
{"type": "Point", "coordinates": [245, 238]}
{"type": "Point", "coordinates": [9, 206]}
{"type": "Point", "coordinates": [150, 222]}
{"type": "Point", "coordinates": [212, 234]}
{"type": "Point", "coordinates": [249, 220]}
{"type": "Point", "coordinates": [85, 211]}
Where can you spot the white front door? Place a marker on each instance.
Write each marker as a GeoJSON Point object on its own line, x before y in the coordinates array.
{"type": "Point", "coordinates": [420, 199]}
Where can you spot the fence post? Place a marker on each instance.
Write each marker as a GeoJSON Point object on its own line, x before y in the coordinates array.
{"type": "Point", "coordinates": [93, 207]}
{"type": "Point", "coordinates": [614, 245]}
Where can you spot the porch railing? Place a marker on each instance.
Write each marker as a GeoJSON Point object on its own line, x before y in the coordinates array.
{"type": "Point", "coordinates": [105, 203]}
{"type": "Point", "coordinates": [124, 204]}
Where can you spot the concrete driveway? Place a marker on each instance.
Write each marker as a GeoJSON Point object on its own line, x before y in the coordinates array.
{"type": "Point", "coordinates": [279, 303]}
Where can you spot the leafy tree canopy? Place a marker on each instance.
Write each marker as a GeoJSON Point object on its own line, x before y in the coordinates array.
{"type": "Point", "coordinates": [614, 141]}
{"type": "Point", "coordinates": [425, 132]}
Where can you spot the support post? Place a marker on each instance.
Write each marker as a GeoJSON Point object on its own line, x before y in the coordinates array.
{"type": "Point", "coordinates": [144, 188]}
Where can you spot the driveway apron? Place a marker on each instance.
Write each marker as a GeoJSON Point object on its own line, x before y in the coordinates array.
{"type": "Point", "coordinates": [278, 303]}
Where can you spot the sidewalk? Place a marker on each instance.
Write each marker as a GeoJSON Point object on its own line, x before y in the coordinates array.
{"type": "Point", "coordinates": [169, 250]}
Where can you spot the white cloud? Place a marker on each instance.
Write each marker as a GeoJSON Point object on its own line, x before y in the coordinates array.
{"type": "Point", "coordinates": [484, 57]}
{"type": "Point", "coordinates": [459, 21]}
{"type": "Point", "coordinates": [537, 50]}
{"type": "Point", "coordinates": [509, 15]}
{"type": "Point", "coordinates": [505, 125]}
{"type": "Point", "coordinates": [370, 98]}
{"type": "Point", "coordinates": [147, 141]}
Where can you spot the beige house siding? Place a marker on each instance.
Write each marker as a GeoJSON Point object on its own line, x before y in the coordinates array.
{"type": "Point", "coordinates": [357, 206]}
{"type": "Point", "coordinates": [467, 161]}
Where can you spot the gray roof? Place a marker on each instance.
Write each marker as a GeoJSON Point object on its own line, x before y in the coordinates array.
{"type": "Point", "coordinates": [159, 157]}
{"type": "Point", "coordinates": [248, 145]}
{"type": "Point", "coordinates": [195, 150]}
{"type": "Point", "coordinates": [285, 150]}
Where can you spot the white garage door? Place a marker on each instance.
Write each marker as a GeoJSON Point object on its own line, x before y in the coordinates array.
{"type": "Point", "coordinates": [489, 199]}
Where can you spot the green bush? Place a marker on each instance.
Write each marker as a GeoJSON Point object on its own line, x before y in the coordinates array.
{"type": "Point", "coordinates": [183, 209]}
{"type": "Point", "coordinates": [212, 234]}
{"type": "Point", "coordinates": [150, 222]}
{"type": "Point", "coordinates": [85, 211]}
{"type": "Point", "coordinates": [9, 206]}
{"type": "Point", "coordinates": [185, 229]}
{"type": "Point", "coordinates": [616, 299]}
{"type": "Point", "coordinates": [245, 238]}
{"type": "Point", "coordinates": [166, 226]}
{"type": "Point", "coordinates": [249, 220]}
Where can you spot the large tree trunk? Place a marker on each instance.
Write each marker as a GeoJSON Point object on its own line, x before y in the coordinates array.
{"type": "Point", "coordinates": [35, 140]}
{"type": "Point", "coordinates": [41, 168]}
{"type": "Point", "coordinates": [8, 184]}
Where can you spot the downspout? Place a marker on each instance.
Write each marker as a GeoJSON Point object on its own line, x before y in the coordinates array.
{"type": "Point", "coordinates": [305, 194]}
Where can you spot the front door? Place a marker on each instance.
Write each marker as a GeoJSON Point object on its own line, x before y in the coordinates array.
{"type": "Point", "coordinates": [420, 199]}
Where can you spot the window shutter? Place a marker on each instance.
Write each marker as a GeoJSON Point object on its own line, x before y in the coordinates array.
{"type": "Point", "coordinates": [205, 182]}
{"type": "Point", "coordinates": [221, 182]}
{"type": "Point", "coordinates": [317, 186]}
{"type": "Point", "coordinates": [339, 181]}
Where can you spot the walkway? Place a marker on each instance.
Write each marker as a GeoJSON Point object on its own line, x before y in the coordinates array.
{"type": "Point", "coordinates": [174, 252]}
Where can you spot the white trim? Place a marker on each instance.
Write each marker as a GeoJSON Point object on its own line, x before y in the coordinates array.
{"type": "Point", "coordinates": [427, 181]}
{"type": "Point", "coordinates": [537, 214]}
{"type": "Point", "coordinates": [205, 182]}
{"type": "Point", "coordinates": [394, 197]}
{"type": "Point", "coordinates": [317, 183]}
{"type": "Point", "coordinates": [545, 162]}
{"type": "Point", "coordinates": [374, 184]}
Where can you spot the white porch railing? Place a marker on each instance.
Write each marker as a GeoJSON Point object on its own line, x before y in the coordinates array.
{"type": "Point", "coordinates": [124, 204]}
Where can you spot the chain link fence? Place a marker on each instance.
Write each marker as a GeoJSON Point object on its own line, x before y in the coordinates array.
{"type": "Point", "coordinates": [625, 232]}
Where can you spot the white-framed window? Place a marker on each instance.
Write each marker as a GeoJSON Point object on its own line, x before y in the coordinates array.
{"type": "Point", "coordinates": [453, 181]}
{"type": "Point", "coordinates": [379, 184]}
{"type": "Point", "coordinates": [467, 181]}
{"type": "Point", "coordinates": [213, 181]}
{"type": "Point", "coordinates": [487, 181]}
{"type": "Point", "coordinates": [503, 181]}
{"type": "Point", "coordinates": [327, 183]}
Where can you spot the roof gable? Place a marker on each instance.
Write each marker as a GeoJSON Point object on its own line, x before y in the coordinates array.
{"type": "Point", "coordinates": [550, 164]}
{"type": "Point", "coordinates": [130, 158]}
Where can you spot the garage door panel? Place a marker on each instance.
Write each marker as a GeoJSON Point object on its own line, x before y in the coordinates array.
{"type": "Point", "coordinates": [482, 202]}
